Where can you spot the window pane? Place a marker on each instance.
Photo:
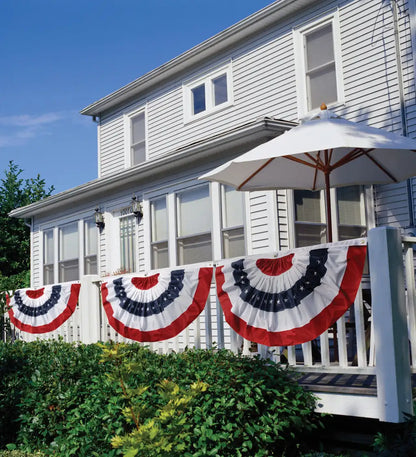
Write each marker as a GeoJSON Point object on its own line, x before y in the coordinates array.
{"type": "Point", "coordinates": [160, 255]}
{"type": "Point", "coordinates": [195, 249]}
{"type": "Point", "coordinates": [349, 205]}
{"type": "Point", "coordinates": [348, 232]}
{"type": "Point", "coordinates": [319, 47]}
{"type": "Point", "coordinates": [128, 244]}
{"type": "Point", "coordinates": [159, 220]}
{"type": "Point", "coordinates": [198, 99]}
{"type": "Point", "coordinates": [90, 238]}
{"type": "Point", "coordinates": [68, 270]}
{"type": "Point", "coordinates": [233, 242]}
{"type": "Point", "coordinates": [308, 234]}
{"type": "Point", "coordinates": [308, 206]}
{"type": "Point", "coordinates": [68, 242]}
{"type": "Point", "coordinates": [220, 89]}
{"type": "Point", "coordinates": [90, 265]}
{"type": "Point", "coordinates": [137, 128]}
{"type": "Point", "coordinates": [138, 153]}
{"type": "Point", "coordinates": [322, 86]}
{"type": "Point", "coordinates": [48, 277]}
{"type": "Point", "coordinates": [48, 256]}
{"type": "Point", "coordinates": [233, 207]}
{"type": "Point", "coordinates": [194, 212]}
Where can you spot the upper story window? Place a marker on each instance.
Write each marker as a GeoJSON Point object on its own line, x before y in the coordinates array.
{"type": "Point", "coordinates": [348, 209]}
{"type": "Point", "coordinates": [135, 138]}
{"type": "Point", "coordinates": [318, 65]}
{"type": "Point", "coordinates": [194, 226]}
{"type": "Point", "coordinates": [233, 241]}
{"type": "Point", "coordinates": [208, 94]}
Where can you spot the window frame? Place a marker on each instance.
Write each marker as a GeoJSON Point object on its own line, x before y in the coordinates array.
{"type": "Point", "coordinates": [366, 211]}
{"type": "Point", "coordinates": [153, 242]}
{"type": "Point", "coordinates": [179, 238]}
{"type": "Point", "coordinates": [128, 136]}
{"type": "Point", "coordinates": [72, 259]}
{"type": "Point", "coordinates": [229, 228]}
{"type": "Point", "coordinates": [135, 243]}
{"type": "Point", "coordinates": [299, 35]}
{"type": "Point", "coordinates": [207, 81]}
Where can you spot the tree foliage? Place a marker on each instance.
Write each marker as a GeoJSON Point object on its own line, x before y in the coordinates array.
{"type": "Point", "coordinates": [14, 233]}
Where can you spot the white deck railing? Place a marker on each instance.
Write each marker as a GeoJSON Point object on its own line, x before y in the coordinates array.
{"type": "Point", "coordinates": [348, 347]}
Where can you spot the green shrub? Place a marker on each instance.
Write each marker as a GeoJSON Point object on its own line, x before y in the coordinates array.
{"type": "Point", "coordinates": [56, 397]}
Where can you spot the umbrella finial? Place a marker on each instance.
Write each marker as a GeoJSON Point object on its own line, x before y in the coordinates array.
{"type": "Point", "coordinates": [323, 107]}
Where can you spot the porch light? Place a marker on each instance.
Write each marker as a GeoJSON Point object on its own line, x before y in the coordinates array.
{"type": "Point", "coordinates": [137, 209]}
{"type": "Point", "coordinates": [99, 219]}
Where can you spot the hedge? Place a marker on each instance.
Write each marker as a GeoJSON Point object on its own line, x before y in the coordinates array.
{"type": "Point", "coordinates": [58, 398]}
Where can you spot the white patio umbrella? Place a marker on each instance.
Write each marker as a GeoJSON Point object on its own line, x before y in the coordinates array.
{"type": "Point", "coordinates": [326, 151]}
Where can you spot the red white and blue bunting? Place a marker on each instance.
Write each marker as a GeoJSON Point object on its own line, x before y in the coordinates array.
{"type": "Point", "coordinates": [157, 307]}
{"type": "Point", "coordinates": [293, 298]}
{"type": "Point", "coordinates": [43, 310]}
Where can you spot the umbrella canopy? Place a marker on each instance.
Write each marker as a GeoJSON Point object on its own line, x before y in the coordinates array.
{"type": "Point", "coordinates": [326, 151]}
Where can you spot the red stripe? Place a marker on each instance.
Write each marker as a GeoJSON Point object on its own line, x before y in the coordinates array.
{"type": "Point", "coordinates": [179, 324]}
{"type": "Point", "coordinates": [57, 322]}
{"type": "Point", "coordinates": [321, 322]}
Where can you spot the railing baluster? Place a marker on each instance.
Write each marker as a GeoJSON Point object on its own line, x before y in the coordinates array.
{"type": "Point", "coordinates": [325, 357]}
{"type": "Point", "coordinates": [307, 354]}
{"type": "Point", "coordinates": [342, 342]}
{"type": "Point", "coordinates": [360, 329]}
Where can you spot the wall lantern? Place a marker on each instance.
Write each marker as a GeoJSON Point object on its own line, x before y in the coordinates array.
{"type": "Point", "coordinates": [99, 219]}
{"type": "Point", "coordinates": [137, 209]}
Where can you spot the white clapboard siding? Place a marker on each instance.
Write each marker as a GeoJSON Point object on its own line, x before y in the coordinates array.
{"type": "Point", "coordinates": [36, 259]}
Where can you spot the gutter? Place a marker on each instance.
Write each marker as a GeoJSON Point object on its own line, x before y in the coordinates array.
{"type": "Point", "coordinates": [224, 145]}
{"type": "Point", "coordinates": [257, 22]}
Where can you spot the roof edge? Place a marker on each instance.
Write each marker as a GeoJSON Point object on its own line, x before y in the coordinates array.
{"type": "Point", "coordinates": [268, 127]}
{"type": "Point", "coordinates": [248, 26]}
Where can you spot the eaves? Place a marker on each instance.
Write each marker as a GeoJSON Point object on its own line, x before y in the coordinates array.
{"type": "Point", "coordinates": [256, 23]}
{"type": "Point", "coordinates": [224, 145]}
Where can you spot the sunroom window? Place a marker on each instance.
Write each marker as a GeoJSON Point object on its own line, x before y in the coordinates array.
{"type": "Point", "coordinates": [90, 247]}
{"type": "Point", "coordinates": [159, 234]}
{"type": "Point", "coordinates": [68, 262]}
{"type": "Point", "coordinates": [194, 226]}
{"type": "Point", "coordinates": [348, 209]}
{"type": "Point", "coordinates": [128, 244]}
{"type": "Point", "coordinates": [233, 243]}
{"type": "Point", "coordinates": [48, 257]}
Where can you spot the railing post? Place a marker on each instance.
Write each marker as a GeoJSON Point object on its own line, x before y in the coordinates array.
{"type": "Point", "coordinates": [89, 307]}
{"type": "Point", "coordinates": [394, 390]}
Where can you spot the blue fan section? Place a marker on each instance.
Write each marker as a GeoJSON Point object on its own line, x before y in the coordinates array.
{"type": "Point", "coordinates": [288, 299]}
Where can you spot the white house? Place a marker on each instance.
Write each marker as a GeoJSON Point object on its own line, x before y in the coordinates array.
{"type": "Point", "coordinates": [241, 87]}
{"type": "Point", "coordinates": [238, 89]}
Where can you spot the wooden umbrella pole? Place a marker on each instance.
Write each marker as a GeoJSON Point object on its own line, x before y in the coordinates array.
{"type": "Point", "coordinates": [327, 171]}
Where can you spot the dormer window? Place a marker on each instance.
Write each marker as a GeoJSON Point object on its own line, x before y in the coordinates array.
{"type": "Point", "coordinates": [208, 94]}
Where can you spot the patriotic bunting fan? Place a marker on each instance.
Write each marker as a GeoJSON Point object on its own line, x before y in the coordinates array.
{"type": "Point", "coordinates": [43, 310]}
{"type": "Point", "coordinates": [157, 307]}
{"type": "Point", "coordinates": [293, 298]}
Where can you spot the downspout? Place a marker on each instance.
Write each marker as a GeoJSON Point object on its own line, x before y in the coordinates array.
{"type": "Point", "coordinates": [401, 97]}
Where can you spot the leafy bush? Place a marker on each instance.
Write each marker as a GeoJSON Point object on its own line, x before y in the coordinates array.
{"type": "Point", "coordinates": [56, 397]}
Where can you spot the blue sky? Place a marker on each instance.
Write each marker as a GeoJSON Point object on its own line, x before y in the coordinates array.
{"type": "Point", "coordinates": [59, 56]}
